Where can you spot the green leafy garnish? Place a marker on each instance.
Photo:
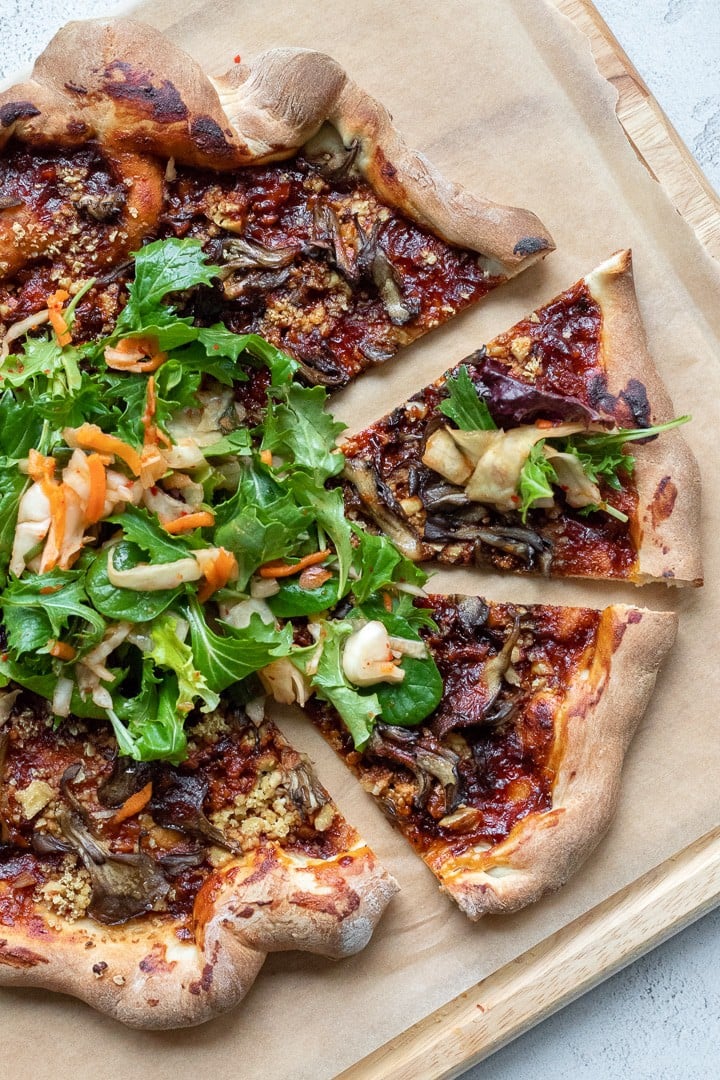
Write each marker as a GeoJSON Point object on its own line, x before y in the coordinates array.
{"type": "Point", "coordinates": [464, 405]}
{"type": "Point", "coordinates": [536, 478]}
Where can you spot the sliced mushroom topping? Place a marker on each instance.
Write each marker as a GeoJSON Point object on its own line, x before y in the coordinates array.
{"type": "Point", "coordinates": [367, 484]}
{"type": "Point", "coordinates": [514, 540]}
{"type": "Point", "coordinates": [304, 791]}
{"type": "Point", "coordinates": [176, 862]}
{"type": "Point", "coordinates": [177, 803]}
{"type": "Point", "coordinates": [242, 254]}
{"type": "Point", "coordinates": [439, 497]}
{"type": "Point", "coordinates": [373, 262]}
{"type": "Point", "coordinates": [10, 202]}
{"type": "Point", "coordinates": [102, 208]}
{"type": "Point", "coordinates": [472, 613]}
{"type": "Point", "coordinates": [123, 886]}
{"type": "Point", "coordinates": [328, 153]}
{"type": "Point", "coordinates": [376, 353]}
{"type": "Point", "coordinates": [494, 671]}
{"type": "Point", "coordinates": [254, 282]}
{"type": "Point", "coordinates": [424, 757]}
{"type": "Point", "coordinates": [127, 777]}
{"type": "Point", "coordinates": [46, 844]}
{"type": "Point", "coordinates": [327, 235]}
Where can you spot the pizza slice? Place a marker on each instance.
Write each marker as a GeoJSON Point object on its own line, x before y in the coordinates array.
{"type": "Point", "coordinates": [152, 891]}
{"type": "Point", "coordinates": [554, 448]}
{"type": "Point", "coordinates": [334, 240]}
{"type": "Point", "coordinates": [511, 781]}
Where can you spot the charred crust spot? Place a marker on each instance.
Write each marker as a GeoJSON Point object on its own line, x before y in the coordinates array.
{"type": "Point", "coordinates": [204, 983]}
{"type": "Point", "coordinates": [208, 136]}
{"type": "Point", "coordinates": [75, 88]}
{"type": "Point", "coordinates": [346, 860]}
{"type": "Point", "coordinates": [530, 245]}
{"type": "Point", "coordinates": [635, 397]}
{"type": "Point", "coordinates": [76, 127]}
{"type": "Point", "coordinates": [153, 1002]}
{"type": "Point", "coordinates": [100, 968]}
{"type": "Point", "coordinates": [340, 905]}
{"type": "Point", "coordinates": [246, 912]}
{"type": "Point", "coordinates": [17, 110]}
{"type": "Point", "coordinates": [162, 103]}
{"type": "Point", "coordinates": [636, 411]}
{"type": "Point", "coordinates": [663, 501]}
{"type": "Point", "coordinates": [155, 961]}
{"type": "Point", "coordinates": [634, 616]}
{"type": "Point", "coordinates": [19, 957]}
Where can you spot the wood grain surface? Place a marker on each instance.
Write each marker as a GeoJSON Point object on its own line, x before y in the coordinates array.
{"type": "Point", "coordinates": [683, 888]}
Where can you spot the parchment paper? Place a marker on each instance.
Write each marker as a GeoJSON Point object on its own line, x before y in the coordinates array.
{"type": "Point", "coordinates": [506, 99]}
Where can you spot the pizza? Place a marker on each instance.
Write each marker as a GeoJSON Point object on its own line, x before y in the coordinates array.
{"type": "Point", "coordinates": [513, 779]}
{"type": "Point", "coordinates": [337, 243]}
{"type": "Point", "coordinates": [154, 892]}
{"type": "Point", "coordinates": [188, 267]}
{"type": "Point", "coordinates": [553, 449]}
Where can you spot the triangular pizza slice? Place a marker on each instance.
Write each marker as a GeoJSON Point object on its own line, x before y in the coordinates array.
{"type": "Point", "coordinates": [332, 238]}
{"type": "Point", "coordinates": [154, 892]}
{"type": "Point", "coordinates": [509, 784]}
{"type": "Point", "coordinates": [552, 449]}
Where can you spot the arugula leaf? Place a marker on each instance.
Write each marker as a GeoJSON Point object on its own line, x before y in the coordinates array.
{"type": "Point", "coordinates": [169, 651]}
{"type": "Point", "coordinates": [12, 488]}
{"type": "Point", "coordinates": [378, 564]}
{"type": "Point", "coordinates": [20, 426]}
{"type": "Point", "coordinates": [328, 508]}
{"type": "Point", "coordinates": [147, 725]}
{"type": "Point", "coordinates": [218, 341]}
{"type": "Point", "coordinates": [601, 453]}
{"type": "Point", "coordinates": [358, 709]}
{"type": "Point", "coordinates": [410, 702]}
{"type": "Point", "coordinates": [260, 522]}
{"type": "Point", "coordinates": [43, 363]}
{"type": "Point", "coordinates": [228, 658]}
{"type": "Point", "coordinates": [299, 429]}
{"type": "Point", "coordinates": [38, 607]}
{"type": "Point", "coordinates": [124, 604]}
{"type": "Point", "coordinates": [144, 530]}
{"type": "Point", "coordinates": [536, 477]}
{"type": "Point", "coordinates": [237, 442]}
{"type": "Point", "coordinates": [292, 600]}
{"type": "Point", "coordinates": [464, 405]}
{"type": "Point", "coordinates": [163, 267]}
{"type": "Point", "coordinates": [43, 684]}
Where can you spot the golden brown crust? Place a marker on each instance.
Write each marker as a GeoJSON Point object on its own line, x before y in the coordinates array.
{"type": "Point", "coordinates": [142, 974]}
{"type": "Point", "coordinates": [124, 84]}
{"type": "Point", "coordinates": [592, 734]}
{"type": "Point", "coordinates": [666, 474]}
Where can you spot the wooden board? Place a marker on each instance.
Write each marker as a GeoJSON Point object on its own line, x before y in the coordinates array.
{"type": "Point", "coordinates": [682, 889]}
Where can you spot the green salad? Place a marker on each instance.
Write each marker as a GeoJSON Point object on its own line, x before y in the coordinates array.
{"type": "Point", "coordinates": [163, 540]}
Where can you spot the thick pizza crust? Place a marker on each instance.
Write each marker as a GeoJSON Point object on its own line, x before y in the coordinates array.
{"type": "Point", "coordinates": [666, 473]}
{"type": "Point", "coordinates": [592, 735]}
{"type": "Point", "coordinates": [142, 974]}
{"type": "Point", "coordinates": [124, 84]}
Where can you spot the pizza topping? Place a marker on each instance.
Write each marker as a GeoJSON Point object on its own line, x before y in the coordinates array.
{"type": "Point", "coordinates": [368, 657]}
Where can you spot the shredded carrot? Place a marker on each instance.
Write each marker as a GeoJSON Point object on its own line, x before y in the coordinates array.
{"type": "Point", "coordinates": [128, 355]}
{"type": "Point", "coordinates": [387, 601]}
{"type": "Point", "coordinates": [48, 590]}
{"type": "Point", "coordinates": [55, 303]}
{"type": "Point", "coordinates": [133, 805]}
{"type": "Point", "coordinates": [98, 489]}
{"type": "Point", "coordinates": [41, 468]}
{"type": "Point", "coordinates": [217, 574]}
{"type": "Point", "coordinates": [90, 437]}
{"type": "Point", "coordinates": [278, 568]}
{"type": "Point", "coordinates": [200, 520]}
{"type": "Point", "coordinates": [266, 457]}
{"type": "Point", "coordinates": [543, 424]}
{"type": "Point", "coordinates": [61, 650]}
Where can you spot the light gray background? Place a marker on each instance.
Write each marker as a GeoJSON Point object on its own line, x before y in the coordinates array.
{"type": "Point", "coordinates": [660, 1018]}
